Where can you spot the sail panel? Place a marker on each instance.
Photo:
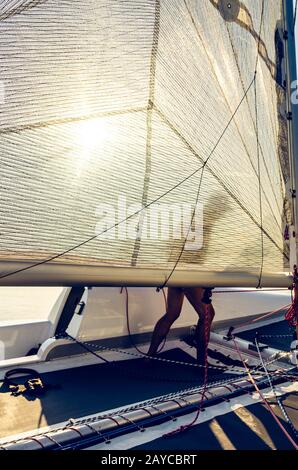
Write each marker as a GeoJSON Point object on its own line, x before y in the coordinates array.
{"type": "Point", "coordinates": [110, 107]}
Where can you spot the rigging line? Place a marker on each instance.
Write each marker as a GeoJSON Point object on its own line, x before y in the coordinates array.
{"type": "Point", "coordinates": [188, 230]}
{"type": "Point", "coordinates": [251, 322]}
{"type": "Point", "coordinates": [259, 286]}
{"type": "Point", "coordinates": [260, 32]}
{"type": "Point", "coordinates": [69, 120]}
{"type": "Point", "coordinates": [130, 335]}
{"type": "Point", "coordinates": [135, 374]}
{"type": "Point", "coordinates": [295, 16]}
{"type": "Point", "coordinates": [200, 185]}
{"type": "Point", "coordinates": [84, 346]}
{"type": "Point", "coordinates": [228, 104]}
{"type": "Point", "coordinates": [259, 41]}
{"type": "Point", "coordinates": [205, 384]}
{"type": "Point", "coordinates": [148, 403]}
{"type": "Point", "coordinates": [179, 394]}
{"type": "Point", "coordinates": [158, 359]}
{"type": "Point", "coordinates": [231, 194]}
{"type": "Point", "coordinates": [267, 405]}
{"type": "Point", "coordinates": [274, 390]}
{"type": "Point", "coordinates": [249, 27]}
{"type": "Point", "coordinates": [21, 9]}
{"type": "Point", "coordinates": [254, 128]}
{"type": "Point", "coordinates": [250, 112]}
{"type": "Point", "coordinates": [59, 255]}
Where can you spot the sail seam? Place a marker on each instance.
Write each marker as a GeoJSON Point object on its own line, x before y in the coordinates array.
{"type": "Point", "coordinates": [154, 50]}
{"type": "Point", "coordinates": [69, 120]}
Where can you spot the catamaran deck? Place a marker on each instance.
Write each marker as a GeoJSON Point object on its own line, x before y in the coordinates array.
{"type": "Point", "coordinates": [76, 392]}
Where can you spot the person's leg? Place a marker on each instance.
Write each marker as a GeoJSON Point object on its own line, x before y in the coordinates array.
{"type": "Point", "coordinates": [174, 306]}
{"type": "Point", "coordinates": [206, 315]}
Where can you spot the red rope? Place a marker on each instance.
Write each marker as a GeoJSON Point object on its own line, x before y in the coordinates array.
{"type": "Point", "coordinates": [285, 307]}
{"type": "Point", "coordinates": [292, 312]}
{"type": "Point", "coordinates": [203, 395]}
{"type": "Point", "coordinates": [128, 322]}
{"type": "Point", "coordinates": [37, 441]}
{"type": "Point", "coordinates": [73, 428]}
{"type": "Point", "coordinates": [266, 403]}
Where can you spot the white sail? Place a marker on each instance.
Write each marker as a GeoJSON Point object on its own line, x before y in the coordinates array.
{"type": "Point", "coordinates": [112, 105]}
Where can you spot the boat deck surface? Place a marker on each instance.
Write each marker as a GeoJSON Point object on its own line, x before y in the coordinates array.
{"type": "Point", "coordinates": [82, 391]}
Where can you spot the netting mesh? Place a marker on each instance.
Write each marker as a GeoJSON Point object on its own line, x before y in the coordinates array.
{"type": "Point", "coordinates": [107, 99]}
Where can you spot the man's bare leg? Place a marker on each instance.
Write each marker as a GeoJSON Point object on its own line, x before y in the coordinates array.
{"type": "Point", "coordinates": [174, 305]}
{"type": "Point", "coordinates": [202, 334]}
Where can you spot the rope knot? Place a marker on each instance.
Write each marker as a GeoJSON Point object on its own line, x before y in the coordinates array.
{"type": "Point", "coordinates": [177, 431]}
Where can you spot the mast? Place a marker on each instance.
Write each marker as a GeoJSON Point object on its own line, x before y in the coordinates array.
{"type": "Point", "coordinates": [292, 89]}
{"type": "Point", "coordinates": [292, 109]}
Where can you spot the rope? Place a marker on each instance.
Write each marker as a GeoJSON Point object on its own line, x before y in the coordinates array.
{"type": "Point", "coordinates": [153, 358]}
{"type": "Point", "coordinates": [267, 405]}
{"type": "Point", "coordinates": [274, 358]}
{"type": "Point", "coordinates": [212, 152]}
{"type": "Point", "coordinates": [259, 286]}
{"type": "Point", "coordinates": [138, 373]}
{"type": "Point", "coordinates": [35, 439]}
{"type": "Point", "coordinates": [53, 440]}
{"type": "Point", "coordinates": [295, 16]}
{"type": "Point", "coordinates": [128, 322]}
{"type": "Point", "coordinates": [221, 182]}
{"type": "Point", "coordinates": [275, 336]}
{"type": "Point", "coordinates": [292, 312]}
{"type": "Point", "coordinates": [85, 346]}
{"type": "Point", "coordinates": [200, 38]}
{"type": "Point", "coordinates": [194, 421]}
{"type": "Point", "coordinates": [106, 440]}
{"type": "Point", "coordinates": [188, 230]}
{"type": "Point", "coordinates": [201, 180]}
{"type": "Point", "coordinates": [274, 391]}
{"type": "Point", "coordinates": [152, 402]}
{"type": "Point", "coordinates": [285, 307]}
{"type": "Point", "coordinates": [260, 32]}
